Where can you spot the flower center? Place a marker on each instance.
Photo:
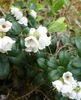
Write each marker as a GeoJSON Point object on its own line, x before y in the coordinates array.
{"type": "Point", "coordinates": [4, 26]}
{"type": "Point", "coordinates": [67, 77]}
{"type": "Point", "coordinates": [36, 34]}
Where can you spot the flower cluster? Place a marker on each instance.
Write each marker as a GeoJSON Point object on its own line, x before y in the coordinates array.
{"type": "Point", "coordinates": [37, 39]}
{"type": "Point", "coordinates": [68, 86]}
{"type": "Point", "coordinates": [19, 16]}
{"type": "Point", "coordinates": [17, 13]}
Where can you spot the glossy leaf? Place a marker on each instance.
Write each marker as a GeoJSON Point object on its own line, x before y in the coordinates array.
{"type": "Point", "coordinates": [42, 62]}
{"type": "Point", "coordinates": [57, 26]}
{"type": "Point", "coordinates": [4, 66]}
{"type": "Point", "coordinates": [64, 58]}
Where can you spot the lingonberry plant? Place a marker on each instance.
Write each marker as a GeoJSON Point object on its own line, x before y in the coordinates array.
{"type": "Point", "coordinates": [36, 49]}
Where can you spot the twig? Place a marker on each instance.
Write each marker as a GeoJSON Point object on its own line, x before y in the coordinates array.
{"type": "Point", "coordinates": [19, 98]}
{"type": "Point", "coordinates": [2, 11]}
{"type": "Point", "coordinates": [43, 94]}
{"type": "Point", "coordinates": [8, 93]}
{"type": "Point", "coordinates": [58, 50]}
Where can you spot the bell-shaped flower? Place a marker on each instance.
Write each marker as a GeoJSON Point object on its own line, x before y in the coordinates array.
{"type": "Point", "coordinates": [5, 26]}
{"type": "Point", "coordinates": [6, 44]}
{"type": "Point", "coordinates": [41, 35]}
{"type": "Point", "coordinates": [16, 13]}
{"type": "Point", "coordinates": [44, 40]}
{"type": "Point", "coordinates": [68, 78]}
{"type": "Point", "coordinates": [23, 21]}
{"type": "Point", "coordinates": [31, 44]}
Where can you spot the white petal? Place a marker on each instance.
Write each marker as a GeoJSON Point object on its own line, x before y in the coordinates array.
{"type": "Point", "coordinates": [29, 49]}
{"type": "Point", "coordinates": [58, 85]}
{"type": "Point", "coordinates": [31, 44]}
{"type": "Point", "coordinates": [33, 13]}
{"type": "Point", "coordinates": [14, 10]}
{"type": "Point", "coordinates": [42, 30]}
{"type": "Point", "coordinates": [78, 95]}
{"type": "Point", "coordinates": [41, 43]}
{"type": "Point", "coordinates": [67, 77]}
{"type": "Point", "coordinates": [23, 21]}
{"type": "Point", "coordinates": [7, 43]}
{"type": "Point", "coordinates": [18, 15]}
{"type": "Point", "coordinates": [32, 31]}
{"type": "Point", "coordinates": [44, 41]}
{"type": "Point", "coordinates": [2, 20]}
{"type": "Point", "coordinates": [66, 89]}
{"type": "Point", "coordinates": [7, 25]}
{"type": "Point", "coordinates": [72, 95]}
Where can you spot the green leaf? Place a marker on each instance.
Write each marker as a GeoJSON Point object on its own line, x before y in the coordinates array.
{"type": "Point", "coordinates": [39, 18]}
{"type": "Point", "coordinates": [52, 62]}
{"type": "Point", "coordinates": [53, 45]}
{"type": "Point", "coordinates": [76, 62]}
{"type": "Point", "coordinates": [78, 45]}
{"type": "Point", "coordinates": [65, 39]}
{"type": "Point", "coordinates": [25, 31]}
{"type": "Point", "coordinates": [57, 26]}
{"type": "Point", "coordinates": [53, 75]}
{"type": "Point", "coordinates": [39, 6]}
{"type": "Point", "coordinates": [42, 62]}
{"type": "Point", "coordinates": [39, 78]}
{"type": "Point", "coordinates": [22, 43]}
{"type": "Point", "coordinates": [67, 2]}
{"type": "Point", "coordinates": [4, 66]}
{"type": "Point", "coordinates": [63, 98]}
{"type": "Point", "coordinates": [18, 60]}
{"type": "Point", "coordinates": [64, 58]}
{"type": "Point", "coordinates": [32, 21]}
{"type": "Point", "coordinates": [57, 4]}
{"type": "Point", "coordinates": [16, 28]}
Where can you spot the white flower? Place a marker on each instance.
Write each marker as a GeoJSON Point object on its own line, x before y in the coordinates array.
{"type": "Point", "coordinates": [31, 44]}
{"type": "Point", "coordinates": [68, 78]}
{"type": "Point", "coordinates": [14, 10]}
{"type": "Point", "coordinates": [17, 13]}
{"type": "Point", "coordinates": [41, 35]}
{"type": "Point", "coordinates": [5, 26]}
{"type": "Point", "coordinates": [6, 44]}
{"type": "Point", "coordinates": [33, 13]}
{"type": "Point", "coordinates": [3, 97]}
{"type": "Point", "coordinates": [58, 85]}
{"type": "Point", "coordinates": [23, 21]}
{"type": "Point", "coordinates": [44, 40]}
{"type": "Point", "coordinates": [42, 30]}
{"type": "Point", "coordinates": [66, 90]}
